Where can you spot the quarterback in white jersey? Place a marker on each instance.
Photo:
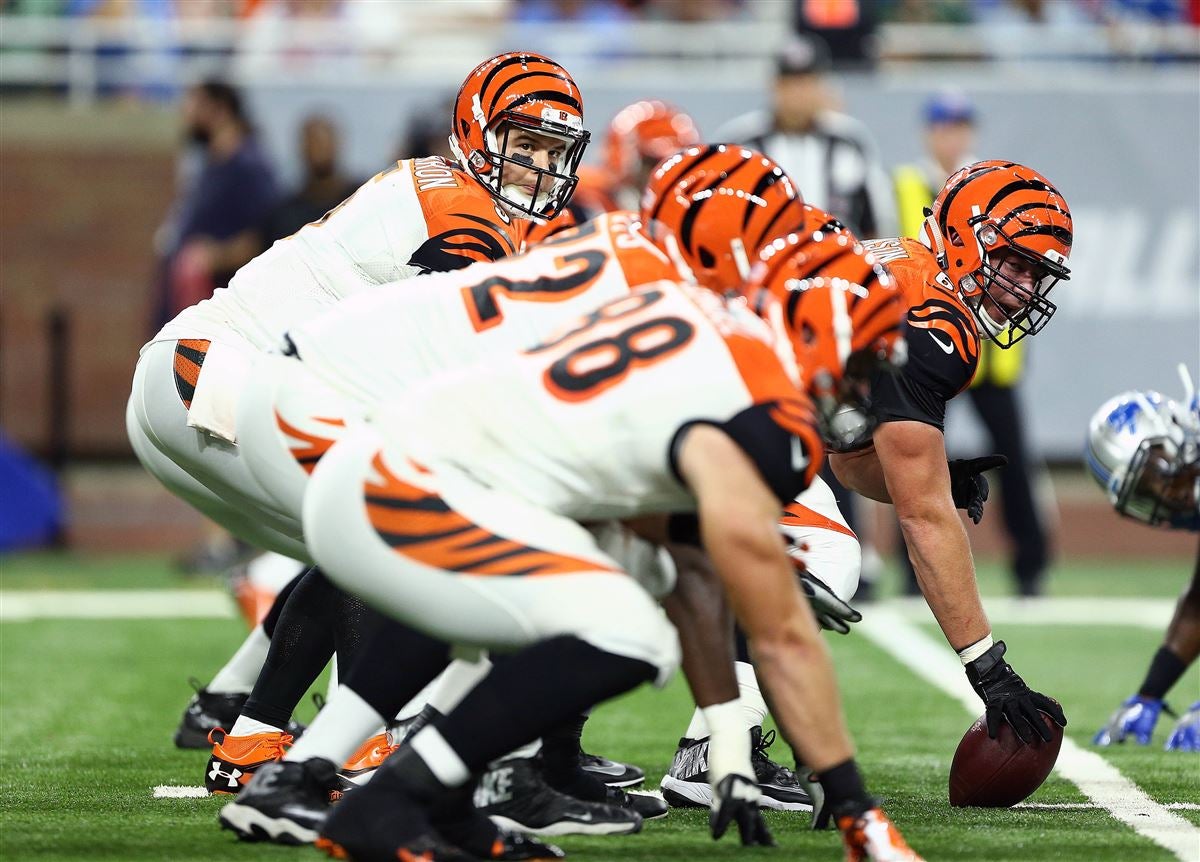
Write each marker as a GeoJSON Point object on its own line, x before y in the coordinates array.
{"type": "Point", "coordinates": [418, 216]}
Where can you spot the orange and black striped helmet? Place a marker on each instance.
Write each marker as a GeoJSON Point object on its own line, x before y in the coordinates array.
{"type": "Point", "coordinates": [712, 207]}
{"type": "Point", "coordinates": [842, 312]}
{"type": "Point", "coordinates": [646, 131]}
{"type": "Point", "coordinates": [1002, 234]}
{"type": "Point", "coordinates": [510, 93]}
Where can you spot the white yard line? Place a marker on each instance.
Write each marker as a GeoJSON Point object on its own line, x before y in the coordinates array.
{"type": "Point", "coordinates": [1096, 778]}
{"type": "Point", "coordinates": [1080, 806]}
{"type": "Point", "coordinates": [174, 791]}
{"type": "Point", "coordinates": [23, 605]}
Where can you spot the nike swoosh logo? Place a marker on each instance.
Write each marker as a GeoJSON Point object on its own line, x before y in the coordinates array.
{"type": "Point", "coordinates": [946, 348]}
{"type": "Point", "coordinates": [799, 458]}
{"type": "Point", "coordinates": [604, 769]}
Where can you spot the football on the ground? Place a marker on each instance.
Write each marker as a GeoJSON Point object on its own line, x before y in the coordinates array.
{"type": "Point", "coordinates": [1000, 772]}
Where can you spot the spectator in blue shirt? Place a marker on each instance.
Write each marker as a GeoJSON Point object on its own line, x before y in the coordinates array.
{"type": "Point", "coordinates": [210, 231]}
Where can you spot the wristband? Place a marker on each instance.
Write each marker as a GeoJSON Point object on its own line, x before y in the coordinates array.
{"type": "Point", "coordinates": [975, 650]}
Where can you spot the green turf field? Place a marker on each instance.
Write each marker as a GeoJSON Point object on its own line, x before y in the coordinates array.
{"type": "Point", "coordinates": [87, 709]}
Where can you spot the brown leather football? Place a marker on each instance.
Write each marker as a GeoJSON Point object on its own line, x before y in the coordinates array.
{"type": "Point", "coordinates": [1000, 772]}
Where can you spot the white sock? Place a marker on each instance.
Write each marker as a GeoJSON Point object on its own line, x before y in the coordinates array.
{"type": "Point", "coordinates": [249, 726]}
{"type": "Point", "coordinates": [333, 679]}
{"type": "Point", "coordinates": [456, 681]}
{"type": "Point", "coordinates": [240, 672]}
{"type": "Point", "coordinates": [339, 729]}
{"type": "Point", "coordinates": [754, 708]}
{"type": "Point", "coordinates": [698, 728]}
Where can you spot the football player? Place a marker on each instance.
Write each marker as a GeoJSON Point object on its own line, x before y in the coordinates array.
{"type": "Point", "coordinates": [1144, 451]}
{"type": "Point", "coordinates": [995, 243]}
{"type": "Point", "coordinates": [824, 547]}
{"type": "Point", "coordinates": [517, 131]}
{"type": "Point", "coordinates": [458, 511]}
{"type": "Point", "coordinates": [372, 348]}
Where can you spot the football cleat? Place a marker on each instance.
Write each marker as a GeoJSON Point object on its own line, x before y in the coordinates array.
{"type": "Point", "coordinates": [515, 795]}
{"type": "Point", "coordinates": [285, 803]}
{"type": "Point", "coordinates": [457, 820]}
{"type": "Point", "coordinates": [235, 759]}
{"type": "Point", "coordinates": [871, 837]}
{"type": "Point", "coordinates": [209, 710]}
{"type": "Point", "coordinates": [686, 783]}
{"type": "Point", "coordinates": [650, 806]}
{"type": "Point", "coordinates": [1185, 736]}
{"type": "Point", "coordinates": [612, 772]}
{"type": "Point", "coordinates": [1135, 718]}
{"type": "Point", "coordinates": [362, 764]}
{"type": "Point", "coordinates": [383, 822]}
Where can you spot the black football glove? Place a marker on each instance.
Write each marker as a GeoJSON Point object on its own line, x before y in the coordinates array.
{"type": "Point", "coordinates": [832, 613]}
{"type": "Point", "coordinates": [968, 485]}
{"type": "Point", "coordinates": [735, 799]}
{"type": "Point", "coordinates": [1008, 698]}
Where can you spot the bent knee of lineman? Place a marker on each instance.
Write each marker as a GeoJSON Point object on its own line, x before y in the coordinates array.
{"type": "Point", "coordinates": [832, 556]}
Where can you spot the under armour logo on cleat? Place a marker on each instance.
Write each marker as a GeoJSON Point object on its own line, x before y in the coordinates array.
{"type": "Point", "coordinates": [231, 777]}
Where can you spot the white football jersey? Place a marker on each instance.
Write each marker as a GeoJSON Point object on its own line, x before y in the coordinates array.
{"type": "Point", "coordinates": [374, 346]}
{"type": "Point", "coordinates": [420, 215]}
{"type": "Point", "coordinates": [584, 424]}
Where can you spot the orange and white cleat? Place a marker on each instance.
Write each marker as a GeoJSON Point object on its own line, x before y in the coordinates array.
{"type": "Point", "coordinates": [235, 758]}
{"type": "Point", "coordinates": [362, 764]}
{"type": "Point", "coordinates": [872, 837]}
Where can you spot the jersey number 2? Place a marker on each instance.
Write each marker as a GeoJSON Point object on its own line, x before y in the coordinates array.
{"type": "Point", "coordinates": [578, 271]}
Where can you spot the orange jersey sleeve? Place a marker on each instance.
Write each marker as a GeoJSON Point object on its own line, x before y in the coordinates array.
{"type": "Point", "coordinates": [464, 225]}
{"type": "Point", "coordinates": [941, 334]}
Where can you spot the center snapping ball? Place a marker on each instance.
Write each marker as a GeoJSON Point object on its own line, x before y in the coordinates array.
{"type": "Point", "coordinates": [1000, 772]}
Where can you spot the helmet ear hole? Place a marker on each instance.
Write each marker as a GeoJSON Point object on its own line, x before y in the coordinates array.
{"type": "Point", "coordinates": [707, 258]}
{"type": "Point", "coordinates": [955, 237]}
{"type": "Point", "coordinates": [464, 128]}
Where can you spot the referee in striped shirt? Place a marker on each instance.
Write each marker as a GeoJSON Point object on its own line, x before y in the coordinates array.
{"type": "Point", "coordinates": [831, 157]}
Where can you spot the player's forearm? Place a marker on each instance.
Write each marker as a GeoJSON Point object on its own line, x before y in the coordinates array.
{"type": "Point", "coordinates": [790, 656]}
{"type": "Point", "coordinates": [698, 610]}
{"type": "Point", "coordinates": [941, 558]}
{"type": "Point", "coordinates": [861, 472]}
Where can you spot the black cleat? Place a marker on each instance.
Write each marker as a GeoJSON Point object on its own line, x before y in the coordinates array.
{"type": "Point", "coordinates": [515, 795]}
{"type": "Point", "coordinates": [585, 786]}
{"type": "Point", "coordinates": [686, 783]}
{"type": "Point", "coordinates": [286, 802]}
{"type": "Point", "coordinates": [614, 773]}
{"type": "Point", "coordinates": [781, 789]}
{"type": "Point", "coordinates": [461, 823]}
{"type": "Point", "coordinates": [208, 710]}
{"type": "Point", "coordinates": [383, 823]}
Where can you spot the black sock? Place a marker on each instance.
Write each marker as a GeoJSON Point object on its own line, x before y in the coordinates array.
{"type": "Point", "coordinates": [301, 646]}
{"type": "Point", "coordinates": [536, 689]}
{"type": "Point", "coordinates": [393, 664]}
{"type": "Point", "coordinates": [844, 790]}
{"type": "Point", "coordinates": [272, 617]}
{"type": "Point", "coordinates": [741, 645]}
{"type": "Point", "coordinates": [561, 749]}
{"type": "Point", "coordinates": [353, 624]}
{"type": "Point", "coordinates": [1165, 670]}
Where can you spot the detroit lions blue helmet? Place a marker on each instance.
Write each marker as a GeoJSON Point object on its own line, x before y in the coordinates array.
{"type": "Point", "coordinates": [1142, 450]}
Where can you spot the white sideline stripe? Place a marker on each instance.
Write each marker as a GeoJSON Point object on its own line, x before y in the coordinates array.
{"type": "Point", "coordinates": [1080, 611]}
{"type": "Point", "coordinates": [174, 791]}
{"type": "Point", "coordinates": [1096, 778]}
{"type": "Point", "coordinates": [22, 605]}
{"type": "Point", "coordinates": [1079, 806]}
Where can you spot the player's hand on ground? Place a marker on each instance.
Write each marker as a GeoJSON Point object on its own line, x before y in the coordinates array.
{"type": "Point", "coordinates": [831, 612]}
{"type": "Point", "coordinates": [968, 485]}
{"type": "Point", "coordinates": [1008, 698]}
{"type": "Point", "coordinates": [735, 800]}
{"type": "Point", "coordinates": [1185, 736]}
{"type": "Point", "coordinates": [1134, 719]}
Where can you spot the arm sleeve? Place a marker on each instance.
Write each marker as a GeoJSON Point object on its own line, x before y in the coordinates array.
{"type": "Point", "coordinates": [782, 444]}
{"type": "Point", "coordinates": [943, 352]}
{"type": "Point", "coordinates": [459, 239]}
